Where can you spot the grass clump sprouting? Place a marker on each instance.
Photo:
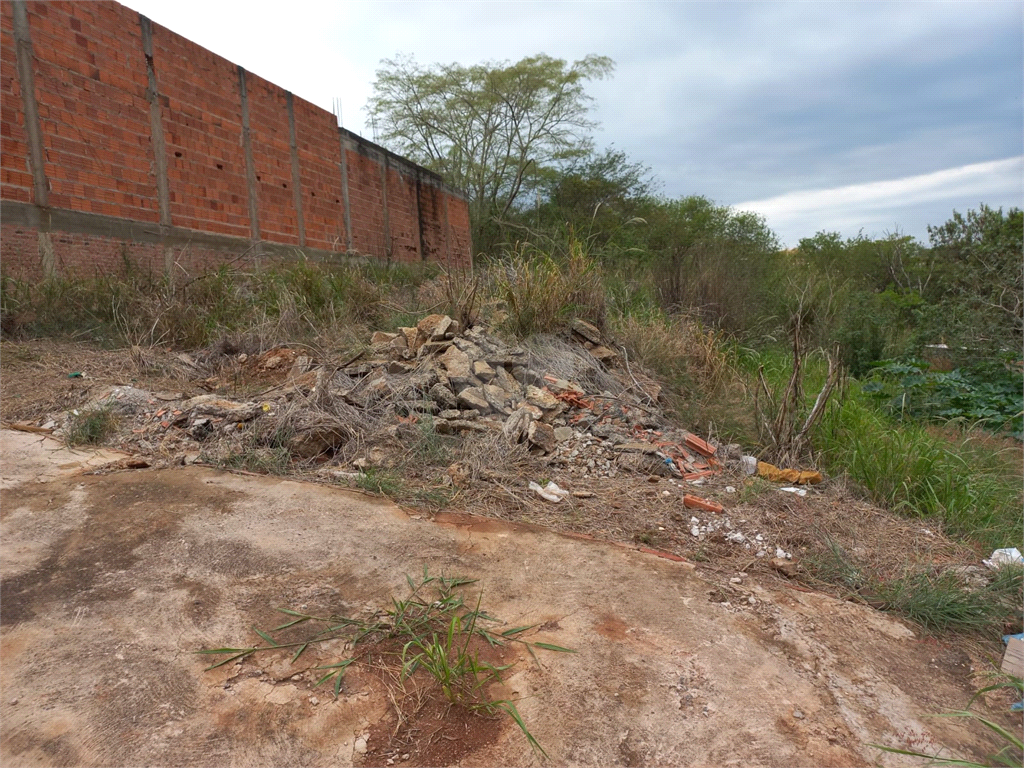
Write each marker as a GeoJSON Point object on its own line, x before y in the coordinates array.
{"type": "Point", "coordinates": [90, 427]}
{"type": "Point", "coordinates": [431, 630]}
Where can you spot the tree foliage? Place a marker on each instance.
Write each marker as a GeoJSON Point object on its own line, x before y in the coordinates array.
{"type": "Point", "coordinates": [981, 285]}
{"type": "Point", "coordinates": [490, 129]}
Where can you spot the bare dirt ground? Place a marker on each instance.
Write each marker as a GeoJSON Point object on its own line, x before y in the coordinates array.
{"type": "Point", "coordinates": [113, 578]}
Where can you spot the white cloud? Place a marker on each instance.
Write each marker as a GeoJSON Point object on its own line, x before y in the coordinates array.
{"type": "Point", "coordinates": [875, 204]}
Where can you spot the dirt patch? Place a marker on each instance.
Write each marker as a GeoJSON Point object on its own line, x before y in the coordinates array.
{"type": "Point", "coordinates": [106, 672]}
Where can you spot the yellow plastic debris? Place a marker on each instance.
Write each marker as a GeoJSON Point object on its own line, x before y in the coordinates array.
{"type": "Point", "coordinates": [797, 476]}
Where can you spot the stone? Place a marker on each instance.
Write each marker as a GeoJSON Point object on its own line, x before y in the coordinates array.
{"type": "Point", "coordinates": [786, 567]}
{"type": "Point", "coordinates": [434, 327]}
{"type": "Point", "coordinates": [507, 381]}
{"type": "Point", "coordinates": [542, 436]}
{"type": "Point", "coordinates": [411, 338]}
{"type": "Point", "coordinates": [400, 342]}
{"type": "Point", "coordinates": [360, 746]}
{"type": "Point", "coordinates": [432, 348]}
{"type": "Point", "coordinates": [564, 433]}
{"type": "Point", "coordinates": [395, 367]}
{"type": "Point", "coordinates": [456, 363]}
{"type": "Point", "coordinates": [603, 353]}
{"type": "Point", "coordinates": [443, 396]}
{"type": "Point", "coordinates": [585, 330]}
{"type": "Point", "coordinates": [450, 413]}
{"type": "Point", "coordinates": [473, 397]}
{"type": "Point", "coordinates": [483, 371]}
{"type": "Point", "coordinates": [542, 399]}
{"type": "Point", "coordinates": [517, 424]}
{"type": "Point", "coordinates": [497, 398]}
{"type": "Point", "coordinates": [381, 337]}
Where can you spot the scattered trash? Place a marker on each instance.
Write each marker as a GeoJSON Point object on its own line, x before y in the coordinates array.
{"type": "Point", "coordinates": [1013, 656]}
{"type": "Point", "coordinates": [749, 464]}
{"type": "Point", "coordinates": [583, 494]}
{"type": "Point", "coordinates": [797, 491]}
{"type": "Point", "coordinates": [551, 491]}
{"type": "Point", "coordinates": [776, 475]}
{"type": "Point", "coordinates": [75, 375]}
{"type": "Point", "coordinates": [1005, 556]}
{"type": "Point", "coordinates": [730, 489]}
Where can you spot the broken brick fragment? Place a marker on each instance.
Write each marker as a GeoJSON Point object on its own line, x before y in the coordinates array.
{"type": "Point", "coordinates": [700, 446]}
{"type": "Point", "coordinates": [696, 502]}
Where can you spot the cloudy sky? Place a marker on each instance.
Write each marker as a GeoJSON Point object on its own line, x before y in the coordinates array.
{"type": "Point", "coordinates": [838, 116]}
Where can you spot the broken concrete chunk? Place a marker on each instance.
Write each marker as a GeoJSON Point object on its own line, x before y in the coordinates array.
{"type": "Point", "coordinates": [473, 397]}
{"type": "Point", "coordinates": [483, 371]}
{"type": "Point", "coordinates": [542, 436]}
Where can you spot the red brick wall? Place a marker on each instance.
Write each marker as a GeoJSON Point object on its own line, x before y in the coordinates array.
{"type": "Point", "coordinates": [91, 86]}
{"type": "Point", "coordinates": [205, 162]}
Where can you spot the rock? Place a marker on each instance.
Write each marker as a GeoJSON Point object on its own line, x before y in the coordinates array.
{"type": "Point", "coordinates": [786, 567]}
{"type": "Point", "coordinates": [483, 371]}
{"type": "Point", "coordinates": [450, 413]}
{"type": "Point", "coordinates": [797, 714]}
{"type": "Point", "coordinates": [497, 398]}
{"type": "Point", "coordinates": [564, 433]}
{"type": "Point", "coordinates": [524, 375]}
{"type": "Point", "coordinates": [443, 396]}
{"type": "Point", "coordinates": [434, 327]}
{"type": "Point", "coordinates": [412, 338]}
{"type": "Point", "coordinates": [462, 425]}
{"type": "Point", "coordinates": [397, 368]}
{"type": "Point", "coordinates": [507, 381]}
{"type": "Point", "coordinates": [542, 436]}
{"type": "Point", "coordinates": [586, 331]}
{"type": "Point", "coordinates": [360, 746]}
{"type": "Point", "coordinates": [309, 442]}
{"type": "Point", "coordinates": [456, 363]}
{"type": "Point", "coordinates": [382, 337]}
{"type": "Point", "coordinates": [432, 348]}
{"type": "Point", "coordinates": [517, 424]}
{"type": "Point", "coordinates": [399, 343]}
{"type": "Point", "coordinates": [542, 399]}
{"type": "Point", "coordinates": [637, 448]}
{"type": "Point", "coordinates": [603, 353]}
{"type": "Point", "coordinates": [473, 397]}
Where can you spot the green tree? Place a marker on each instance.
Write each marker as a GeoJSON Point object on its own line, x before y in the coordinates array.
{"type": "Point", "coordinates": [491, 129]}
{"type": "Point", "coordinates": [980, 284]}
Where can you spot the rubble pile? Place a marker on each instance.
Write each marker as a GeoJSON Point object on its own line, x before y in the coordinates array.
{"type": "Point", "coordinates": [573, 400]}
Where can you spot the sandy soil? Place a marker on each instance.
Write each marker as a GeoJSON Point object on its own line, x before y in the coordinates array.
{"type": "Point", "coordinates": [112, 580]}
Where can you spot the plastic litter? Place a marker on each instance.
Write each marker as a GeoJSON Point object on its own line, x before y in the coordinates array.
{"type": "Point", "coordinates": [1006, 556]}
{"type": "Point", "coordinates": [799, 477]}
{"type": "Point", "coordinates": [551, 491]}
{"type": "Point", "coordinates": [797, 491]}
{"type": "Point", "coordinates": [749, 464]}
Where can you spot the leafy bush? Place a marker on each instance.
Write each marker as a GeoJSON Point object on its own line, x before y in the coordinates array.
{"type": "Point", "coordinates": [991, 393]}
